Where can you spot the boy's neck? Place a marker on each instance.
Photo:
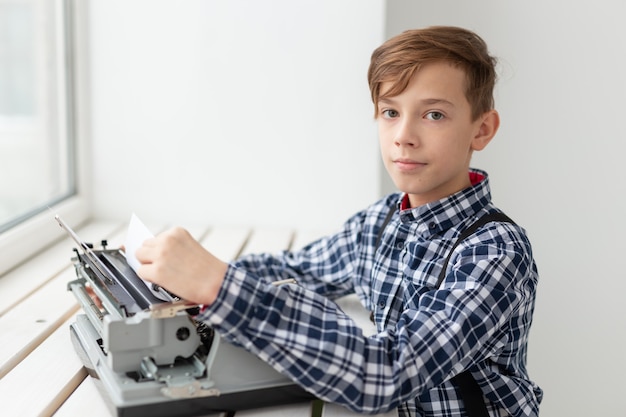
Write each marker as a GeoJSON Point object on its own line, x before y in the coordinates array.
{"type": "Point", "coordinates": [474, 177]}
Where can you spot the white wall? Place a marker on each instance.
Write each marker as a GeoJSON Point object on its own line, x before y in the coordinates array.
{"type": "Point", "coordinates": [557, 167]}
{"type": "Point", "coordinates": [244, 111]}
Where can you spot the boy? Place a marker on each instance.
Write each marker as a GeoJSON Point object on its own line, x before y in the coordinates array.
{"type": "Point", "coordinates": [433, 96]}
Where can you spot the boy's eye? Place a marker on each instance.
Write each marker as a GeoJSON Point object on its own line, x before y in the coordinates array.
{"type": "Point", "coordinates": [389, 113]}
{"type": "Point", "coordinates": [434, 115]}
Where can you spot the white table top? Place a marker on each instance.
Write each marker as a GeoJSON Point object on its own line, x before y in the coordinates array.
{"type": "Point", "coordinates": [40, 374]}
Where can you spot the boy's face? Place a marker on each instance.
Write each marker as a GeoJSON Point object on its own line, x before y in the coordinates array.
{"type": "Point", "coordinates": [427, 135]}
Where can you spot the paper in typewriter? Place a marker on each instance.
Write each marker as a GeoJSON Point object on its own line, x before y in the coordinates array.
{"type": "Point", "coordinates": [135, 236]}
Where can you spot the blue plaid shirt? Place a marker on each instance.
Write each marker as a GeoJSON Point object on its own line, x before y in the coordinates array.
{"type": "Point", "coordinates": [479, 318]}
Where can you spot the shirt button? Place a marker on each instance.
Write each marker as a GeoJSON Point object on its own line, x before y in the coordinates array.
{"type": "Point", "coordinates": [400, 245]}
{"type": "Point", "coordinates": [432, 225]}
{"type": "Point", "coordinates": [381, 304]}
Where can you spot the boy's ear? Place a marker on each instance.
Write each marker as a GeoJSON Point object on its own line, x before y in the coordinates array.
{"type": "Point", "coordinates": [489, 124]}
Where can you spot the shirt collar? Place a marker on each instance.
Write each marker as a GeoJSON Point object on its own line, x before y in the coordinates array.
{"type": "Point", "coordinates": [438, 216]}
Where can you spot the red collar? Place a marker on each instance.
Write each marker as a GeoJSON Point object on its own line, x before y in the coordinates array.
{"type": "Point", "coordinates": [474, 177]}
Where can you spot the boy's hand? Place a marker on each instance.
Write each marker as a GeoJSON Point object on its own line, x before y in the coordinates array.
{"type": "Point", "coordinates": [175, 261]}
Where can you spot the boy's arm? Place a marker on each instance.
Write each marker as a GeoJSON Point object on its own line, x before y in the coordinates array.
{"type": "Point", "coordinates": [176, 261]}
{"type": "Point", "coordinates": [325, 266]}
{"type": "Point", "coordinates": [310, 339]}
{"type": "Point", "coordinates": [334, 265]}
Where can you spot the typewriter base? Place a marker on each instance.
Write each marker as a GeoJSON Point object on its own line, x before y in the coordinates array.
{"type": "Point", "coordinates": [242, 380]}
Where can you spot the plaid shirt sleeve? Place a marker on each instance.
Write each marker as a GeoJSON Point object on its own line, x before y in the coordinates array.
{"type": "Point", "coordinates": [329, 265]}
{"type": "Point", "coordinates": [479, 319]}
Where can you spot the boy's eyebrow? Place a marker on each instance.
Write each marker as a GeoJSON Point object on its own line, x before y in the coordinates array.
{"type": "Point", "coordinates": [427, 101]}
{"type": "Point", "coordinates": [437, 101]}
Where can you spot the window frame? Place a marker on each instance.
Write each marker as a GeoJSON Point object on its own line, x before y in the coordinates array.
{"type": "Point", "coordinates": [40, 230]}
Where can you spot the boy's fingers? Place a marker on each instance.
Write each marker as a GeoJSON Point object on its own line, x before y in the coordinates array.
{"type": "Point", "coordinates": [93, 296]}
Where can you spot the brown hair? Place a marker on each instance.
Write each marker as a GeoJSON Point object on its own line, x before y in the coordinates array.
{"type": "Point", "coordinates": [400, 57]}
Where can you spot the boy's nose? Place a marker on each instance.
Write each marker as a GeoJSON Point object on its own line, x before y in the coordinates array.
{"type": "Point", "coordinates": [406, 135]}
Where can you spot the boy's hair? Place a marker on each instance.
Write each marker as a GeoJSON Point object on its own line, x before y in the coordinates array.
{"type": "Point", "coordinates": [400, 57]}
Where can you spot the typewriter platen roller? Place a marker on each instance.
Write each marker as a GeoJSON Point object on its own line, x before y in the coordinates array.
{"type": "Point", "coordinates": [150, 357]}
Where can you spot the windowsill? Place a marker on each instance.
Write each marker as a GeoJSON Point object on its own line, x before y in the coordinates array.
{"type": "Point", "coordinates": [30, 237]}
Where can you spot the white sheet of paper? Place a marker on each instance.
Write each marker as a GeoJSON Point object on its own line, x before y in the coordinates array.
{"type": "Point", "coordinates": [135, 236]}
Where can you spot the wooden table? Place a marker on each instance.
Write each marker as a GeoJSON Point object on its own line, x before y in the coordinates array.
{"type": "Point", "coordinates": [40, 374]}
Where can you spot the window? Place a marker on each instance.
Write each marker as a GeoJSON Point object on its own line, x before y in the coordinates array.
{"type": "Point", "coordinates": [37, 121]}
{"type": "Point", "coordinates": [35, 143]}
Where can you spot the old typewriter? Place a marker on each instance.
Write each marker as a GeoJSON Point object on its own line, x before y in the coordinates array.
{"type": "Point", "coordinates": [147, 353]}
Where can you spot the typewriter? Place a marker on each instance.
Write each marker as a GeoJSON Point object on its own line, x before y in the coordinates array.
{"type": "Point", "coordinates": [149, 356]}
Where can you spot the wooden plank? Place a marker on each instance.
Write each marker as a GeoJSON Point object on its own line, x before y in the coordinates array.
{"type": "Point", "coordinates": [84, 401]}
{"type": "Point", "coordinates": [42, 382]}
{"type": "Point", "coordinates": [28, 324]}
{"type": "Point", "coordinates": [268, 240]}
{"type": "Point", "coordinates": [19, 283]}
{"type": "Point", "coordinates": [226, 242]}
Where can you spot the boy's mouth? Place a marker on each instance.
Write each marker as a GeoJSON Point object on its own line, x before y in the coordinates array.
{"type": "Point", "coordinates": [405, 164]}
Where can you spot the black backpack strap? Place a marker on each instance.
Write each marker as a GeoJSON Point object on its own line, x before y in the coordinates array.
{"type": "Point", "coordinates": [379, 238]}
{"type": "Point", "coordinates": [487, 218]}
{"type": "Point", "coordinates": [470, 391]}
{"type": "Point", "coordinates": [471, 394]}
{"type": "Point", "coordinates": [388, 217]}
